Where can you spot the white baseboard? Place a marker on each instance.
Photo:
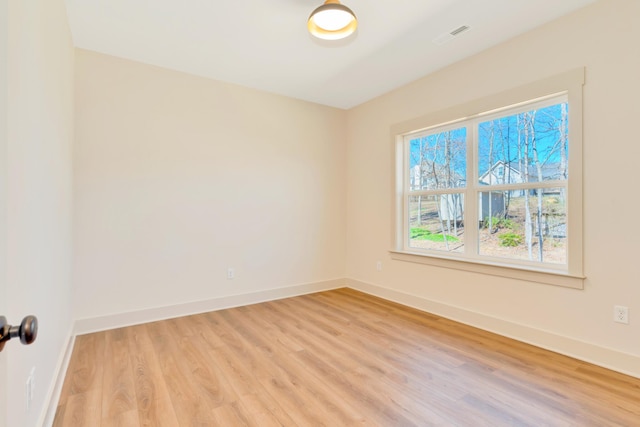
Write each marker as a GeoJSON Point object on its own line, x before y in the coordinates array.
{"type": "Point", "coordinates": [608, 358]}
{"type": "Point", "coordinates": [53, 395]}
{"type": "Point", "coordinates": [101, 323]}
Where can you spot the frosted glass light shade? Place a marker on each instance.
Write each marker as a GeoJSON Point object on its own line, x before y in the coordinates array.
{"type": "Point", "coordinates": [332, 21]}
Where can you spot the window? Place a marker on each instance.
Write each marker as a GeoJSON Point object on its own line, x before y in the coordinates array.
{"type": "Point", "coordinates": [497, 191]}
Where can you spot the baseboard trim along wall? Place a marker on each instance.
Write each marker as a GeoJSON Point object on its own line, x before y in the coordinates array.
{"type": "Point", "coordinates": [608, 358]}
{"type": "Point", "coordinates": [112, 321]}
{"type": "Point", "coordinates": [53, 395]}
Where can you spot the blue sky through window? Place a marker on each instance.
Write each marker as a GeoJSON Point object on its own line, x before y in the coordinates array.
{"type": "Point", "coordinates": [521, 141]}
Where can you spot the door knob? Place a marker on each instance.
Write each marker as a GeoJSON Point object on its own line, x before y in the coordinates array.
{"type": "Point", "coordinates": [27, 331]}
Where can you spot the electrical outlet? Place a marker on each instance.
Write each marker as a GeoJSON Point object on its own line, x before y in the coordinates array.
{"type": "Point", "coordinates": [621, 314]}
{"type": "Point", "coordinates": [379, 265]}
{"type": "Point", "coordinates": [231, 273]}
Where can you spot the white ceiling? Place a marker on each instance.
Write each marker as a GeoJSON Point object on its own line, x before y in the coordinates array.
{"type": "Point", "coordinates": [265, 45]}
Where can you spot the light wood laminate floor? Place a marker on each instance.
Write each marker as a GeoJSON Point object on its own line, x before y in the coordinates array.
{"type": "Point", "coordinates": [336, 358]}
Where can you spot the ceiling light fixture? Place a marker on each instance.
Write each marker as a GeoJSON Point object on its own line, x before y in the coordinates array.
{"type": "Point", "coordinates": [332, 21]}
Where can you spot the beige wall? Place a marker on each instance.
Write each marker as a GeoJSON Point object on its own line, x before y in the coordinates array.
{"type": "Point", "coordinates": [179, 177]}
{"type": "Point", "coordinates": [37, 164]}
{"type": "Point", "coordinates": [603, 37]}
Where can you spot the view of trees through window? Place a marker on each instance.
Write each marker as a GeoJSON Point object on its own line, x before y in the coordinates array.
{"type": "Point", "coordinates": [520, 183]}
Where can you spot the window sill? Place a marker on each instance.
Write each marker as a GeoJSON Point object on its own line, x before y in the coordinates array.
{"type": "Point", "coordinates": [537, 276]}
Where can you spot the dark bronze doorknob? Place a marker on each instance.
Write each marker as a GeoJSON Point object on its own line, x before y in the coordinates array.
{"type": "Point", "coordinates": [27, 330]}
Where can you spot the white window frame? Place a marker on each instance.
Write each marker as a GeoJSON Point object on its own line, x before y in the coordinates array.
{"type": "Point", "coordinates": [533, 96]}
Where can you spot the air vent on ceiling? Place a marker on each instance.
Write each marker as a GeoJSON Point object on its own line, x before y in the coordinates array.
{"type": "Point", "coordinates": [445, 37]}
{"type": "Point", "coordinates": [459, 30]}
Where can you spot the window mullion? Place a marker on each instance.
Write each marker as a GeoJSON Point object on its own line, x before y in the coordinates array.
{"type": "Point", "coordinates": [532, 185]}
{"type": "Point", "coordinates": [471, 197]}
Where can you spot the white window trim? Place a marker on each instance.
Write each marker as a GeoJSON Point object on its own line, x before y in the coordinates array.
{"type": "Point", "coordinates": [571, 83]}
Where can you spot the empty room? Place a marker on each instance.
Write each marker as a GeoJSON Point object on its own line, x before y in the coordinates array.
{"type": "Point", "coordinates": [306, 213]}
